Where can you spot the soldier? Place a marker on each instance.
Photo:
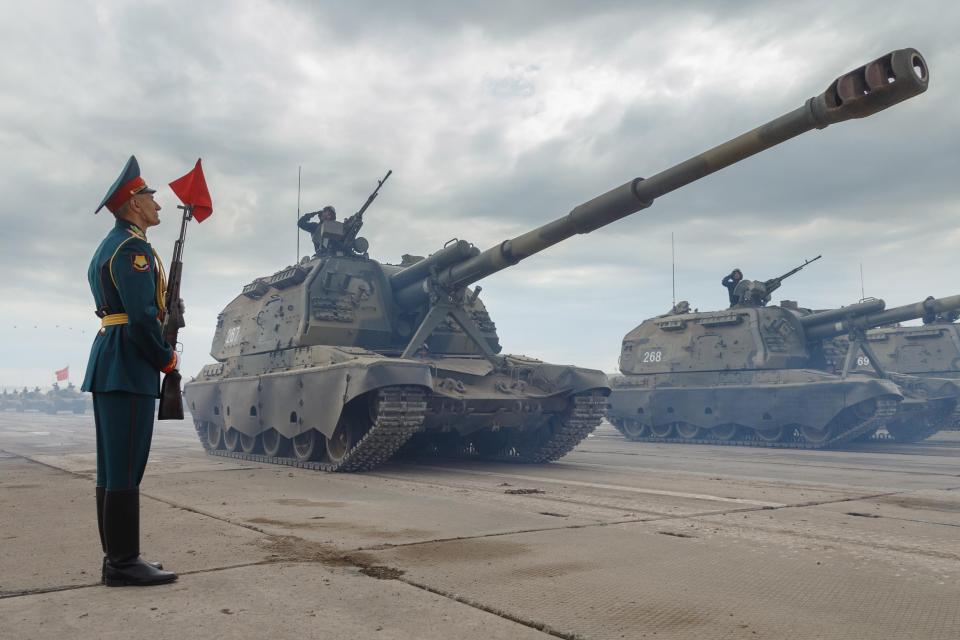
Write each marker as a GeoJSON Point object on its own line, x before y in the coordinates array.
{"type": "Point", "coordinates": [128, 282]}
{"type": "Point", "coordinates": [327, 213]}
{"type": "Point", "coordinates": [730, 282]}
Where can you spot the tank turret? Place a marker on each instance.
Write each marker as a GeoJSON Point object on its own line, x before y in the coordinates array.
{"type": "Point", "coordinates": [346, 359]}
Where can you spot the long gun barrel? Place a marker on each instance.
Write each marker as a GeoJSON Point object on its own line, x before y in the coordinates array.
{"type": "Point", "coordinates": [820, 326]}
{"type": "Point", "coordinates": [455, 251]}
{"type": "Point", "coordinates": [831, 316]}
{"type": "Point", "coordinates": [897, 76]}
{"type": "Point", "coordinates": [773, 284]}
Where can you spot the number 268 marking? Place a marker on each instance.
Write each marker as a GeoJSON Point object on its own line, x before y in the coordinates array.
{"type": "Point", "coordinates": [652, 356]}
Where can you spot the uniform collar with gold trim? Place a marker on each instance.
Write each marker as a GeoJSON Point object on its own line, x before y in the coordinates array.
{"type": "Point", "coordinates": [132, 229]}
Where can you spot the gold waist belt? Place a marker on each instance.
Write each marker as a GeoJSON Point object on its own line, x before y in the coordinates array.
{"type": "Point", "coordinates": [114, 319]}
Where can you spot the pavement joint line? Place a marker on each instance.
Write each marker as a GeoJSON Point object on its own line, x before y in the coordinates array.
{"type": "Point", "coordinates": [768, 462]}
{"type": "Point", "coordinates": [614, 487]}
{"type": "Point", "coordinates": [5, 595]}
{"type": "Point", "coordinates": [500, 613]}
{"type": "Point", "coordinates": [809, 535]}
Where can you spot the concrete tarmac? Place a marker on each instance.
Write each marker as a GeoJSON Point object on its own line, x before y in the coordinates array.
{"type": "Point", "coordinates": [617, 540]}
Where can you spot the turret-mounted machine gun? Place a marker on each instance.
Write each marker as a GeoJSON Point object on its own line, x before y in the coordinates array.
{"type": "Point", "coordinates": [756, 293]}
{"type": "Point", "coordinates": [332, 237]}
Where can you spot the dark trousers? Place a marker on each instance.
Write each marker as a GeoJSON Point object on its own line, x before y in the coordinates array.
{"type": "Point", "coordinates": [124, 429]}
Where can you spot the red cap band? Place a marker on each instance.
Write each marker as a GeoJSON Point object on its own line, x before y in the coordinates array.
{"type": "Point", "coordinates": [124, 193]}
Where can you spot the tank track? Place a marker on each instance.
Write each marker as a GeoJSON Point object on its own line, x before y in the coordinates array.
{"type": "Point", "coordinates": [932, 423]}
{"type": "Point", "coordinates": [585, 413]}
{"type": "Point", "coordinates": [400, 414]}
{"type": "Point", "coordinates": [886, 409]}
{"type": "Point", "coordinates": [579, 422]}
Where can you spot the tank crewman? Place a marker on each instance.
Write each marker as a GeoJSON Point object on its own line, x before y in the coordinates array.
{"type": "Point", "coordinates": [327, 213]}
{"type": "Point", "coordinates": [730, 282]}
{"type": "Point", "coordinates": [128, 284]}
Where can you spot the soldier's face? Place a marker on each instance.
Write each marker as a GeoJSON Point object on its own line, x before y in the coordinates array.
{"type": "Point", "coordinates": [147, 209]}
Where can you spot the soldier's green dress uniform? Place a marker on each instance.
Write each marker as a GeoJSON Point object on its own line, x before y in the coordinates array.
{"type": "Point", "coordinates": [128, 284]}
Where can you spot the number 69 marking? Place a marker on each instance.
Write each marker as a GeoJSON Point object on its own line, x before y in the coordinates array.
{"type": "Point", "coordinates": [863, 361]}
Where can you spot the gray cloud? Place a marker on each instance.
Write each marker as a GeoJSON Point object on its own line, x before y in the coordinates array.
{"type": "Point", "coordinates": [495, 117]}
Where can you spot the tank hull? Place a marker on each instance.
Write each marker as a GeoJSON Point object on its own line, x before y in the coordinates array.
{"type": "Point", "coordinates": [363, 408]}
{"type": "Point", "coordinates": [786, 408]}
{"type": "Point", "coordinates": [926, 351]}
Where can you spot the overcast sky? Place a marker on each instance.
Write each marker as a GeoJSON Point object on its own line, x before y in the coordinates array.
{"type": "Point", "coordinates": [495, 117]}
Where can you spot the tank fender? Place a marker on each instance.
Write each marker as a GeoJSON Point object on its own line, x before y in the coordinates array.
{"type": "Point", "coordinates": [293, 402]}
{"type": "Point", "coordinates": [861, 389]}
{"type": "Point", "coordinates": [570, 379]}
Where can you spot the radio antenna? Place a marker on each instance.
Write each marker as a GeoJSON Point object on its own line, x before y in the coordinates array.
{"type": "Point", "coordinates": [297, 228]}
{"type": "Point", "coordinates": [673, 272]}
{"type": "Point", "coordinates": [863, 295]}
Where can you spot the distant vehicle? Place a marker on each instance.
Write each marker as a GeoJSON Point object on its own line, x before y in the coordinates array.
{"type": "Point", "coordinates": [758, 375]}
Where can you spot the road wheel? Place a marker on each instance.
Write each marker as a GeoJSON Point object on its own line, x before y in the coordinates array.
{"type": "Point", "coordinates": [689, 431]}
{"type": "Point", "coordinates": [725, 432]}
{"type": "Point", "coordinates": [774, 434]}
{"type": "Point", "coordinates": [818, 436]}
{"type": "Point", "coordinates": [231, 440]}
{"type": "Point", "coordinates": [633, 429]}
{"type": "Point", "coordinates": [274, 444]}
{"type": "Point", "coordinates": [662, 430]}
{"type": "Point", "coordinates": [214, 436]}
{"type": "Point", "coordinates": [250, 444]}
{"type": "Point", "coordinates": [308, 445]}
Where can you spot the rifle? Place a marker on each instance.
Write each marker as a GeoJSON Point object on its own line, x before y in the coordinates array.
{"type": "Point", "coordinates": [774, 283]}
{"type": "Point", "coordinates": [351, 226]}
{"type": "Point", "coordinates": [171, 397]}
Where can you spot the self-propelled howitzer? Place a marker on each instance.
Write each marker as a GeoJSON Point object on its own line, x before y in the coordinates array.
{"type": "Point", "coordinates": [340, 361]}
{"type": "Point", "coordinates": [760, 375]}
{"type": "Point", "coordinates": [841, 340]}
{"type": "Point", "coordinates": [930, 350]}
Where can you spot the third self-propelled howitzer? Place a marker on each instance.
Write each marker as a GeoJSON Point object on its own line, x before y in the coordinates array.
{"type": "Point", "coordinates": [339, 361]}
{"type": "Point", "coordinates": [847, 344]}
{"type": "Point", "coordinates": [929, 350]}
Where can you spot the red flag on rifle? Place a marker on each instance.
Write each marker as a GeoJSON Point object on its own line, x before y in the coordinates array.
{"type": "Point", "coordinates": [192, 190]}
{"type": "Point", "coordinates": [63, 374]}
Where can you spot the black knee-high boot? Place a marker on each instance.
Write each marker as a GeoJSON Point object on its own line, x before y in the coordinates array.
{"type": "Point", "coordinates": [101, 492]}
{"type": "Point", "coordinates": [121, 535]}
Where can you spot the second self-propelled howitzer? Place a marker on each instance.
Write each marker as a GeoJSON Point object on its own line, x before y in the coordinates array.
{"type": "Point", "coordinates": [339, 361]}
{"type": "Point", "coordinates": [763, 376]}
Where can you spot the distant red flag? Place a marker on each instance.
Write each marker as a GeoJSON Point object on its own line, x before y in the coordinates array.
{"type": "Point", "coordinates": [192, 190]}
{"type": "Point", "coordinates": [63, 374]}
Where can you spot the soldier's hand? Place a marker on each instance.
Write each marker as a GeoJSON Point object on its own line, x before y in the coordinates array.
{"type": "Point", "coordinates": [181, 307]}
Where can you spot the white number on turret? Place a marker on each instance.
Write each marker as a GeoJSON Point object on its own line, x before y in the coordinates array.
{"type": "Point", "coordinates": [233, 336]}
{"type": "Point", "coordinates": [652, 356]}
{"type": "Point", "coordinates": [863, 361]}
